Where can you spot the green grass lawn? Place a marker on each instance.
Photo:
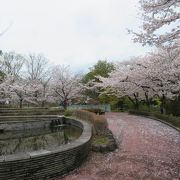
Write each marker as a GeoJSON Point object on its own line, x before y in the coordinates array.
{"type": "Point", "coordinates": [100, 140]}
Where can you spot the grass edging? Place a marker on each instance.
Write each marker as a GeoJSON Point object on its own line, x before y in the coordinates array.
{"type": "Point", "coordinates": [151, 116]}
{"type": "Point", "coordinates": [110, 146]}
{"type": "Point", "coordinates": [169, 124]}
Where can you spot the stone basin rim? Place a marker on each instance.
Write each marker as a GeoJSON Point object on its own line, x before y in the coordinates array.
{"type": "Point", "coordinates": [84, 138]}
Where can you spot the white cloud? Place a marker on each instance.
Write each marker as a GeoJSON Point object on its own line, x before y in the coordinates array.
{"type": "Point", "coordinates": [71, 32]}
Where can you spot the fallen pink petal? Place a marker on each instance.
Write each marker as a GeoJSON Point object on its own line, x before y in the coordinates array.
{"type": "Point", "coordinates": [148, 149]}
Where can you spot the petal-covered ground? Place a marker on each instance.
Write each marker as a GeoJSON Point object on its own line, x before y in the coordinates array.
{"type": "Point", "coordinates": [148, 149]}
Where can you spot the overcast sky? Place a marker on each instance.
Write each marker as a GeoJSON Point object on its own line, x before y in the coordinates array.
{"type": "Point", "coordinates": [73, 32]}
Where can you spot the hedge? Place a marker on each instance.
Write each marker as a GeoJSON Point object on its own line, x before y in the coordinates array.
{"type": "Point", "coordinates": [29, 111]}
{"type": "Point", "coordinates": [175, 121]}
{"type": "Point", "coordinates": [99, 122]}
{"type": "Point", "coordinates": [96, 111]}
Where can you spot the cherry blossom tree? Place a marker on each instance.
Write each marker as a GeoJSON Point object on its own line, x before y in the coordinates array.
{"type": "Point", "coordinates": [12, 63]}
{"type": "Point", "coordinates": [41, 91]}
{"type": "Point", "coordinates": [161, 22]}
{"type": "Point", "coordinates": [19, 90]}
{"type": "Point", "coordinates": [36, 66]}
{"type": "Point", "coordinates": [143, 78]}
{"type": "Point", "coordinates": [165, 74]}
{"type": "Point", "coordinates": [23, 91]}
{"type": "Point", "coordinates": [65, 85]}
{"type": "Point", "coordinates": [38, 74]}
{"type": "Point", "coordinates": [45, 91]}
{"type": "Point", "coordinates": [124, 81]}
{"type": "Point", "coordinates": [5, 90]}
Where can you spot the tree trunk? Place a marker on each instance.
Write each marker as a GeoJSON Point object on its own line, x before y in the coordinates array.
{"type": "Point", "coordinates": [20, 102]}
{"type": "Point", "coordinates": [147, 99]}
{"type": "Point", "coordinates": [43, 104]}
{"type": "Point", "coordinates": [163, 104]}
{"type": "Point", "coordinates": [65, 104]}
{"type": "Point", "coordinates": [44, 95]}
{"type": "Point", "coordinates": [136, 101]}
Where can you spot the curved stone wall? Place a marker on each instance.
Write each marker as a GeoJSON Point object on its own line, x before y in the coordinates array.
{"type": "Point", "coordinates": [45, 164]}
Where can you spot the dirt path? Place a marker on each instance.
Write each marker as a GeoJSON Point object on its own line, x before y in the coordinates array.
{"type": "Point", "coordinates": [148, 149]}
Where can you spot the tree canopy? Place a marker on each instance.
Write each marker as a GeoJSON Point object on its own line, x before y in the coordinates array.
{"type": "Point", "coordinates": [101, 68]}
{"type": "Point", "coordinates": [161, 19]}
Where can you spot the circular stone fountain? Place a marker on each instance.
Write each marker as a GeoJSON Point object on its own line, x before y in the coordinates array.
{"type": "Point", "coordinates": [42, 148]}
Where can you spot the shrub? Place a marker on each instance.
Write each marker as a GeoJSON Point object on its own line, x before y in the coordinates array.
{"type": "Point", "coordinates": [99, 122]}
{"type": "Point", "coordinates": [29, 111]}
{"type": "Point", "coordinates": [100, 140]}
{"type": "Point", "coordinates": [68, 112]}
{"type": "Point", "coordinates": [173, 107]}
{"type": "Point", "coordinates": [97, 111]}
{"type": "Point", "coordinates": [137, 112]}
{"type": "Point", "coordinates": [175, 121]}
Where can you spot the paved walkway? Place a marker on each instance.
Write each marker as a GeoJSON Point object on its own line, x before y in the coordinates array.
{"type": "Point", "coordinates": [148, 149]}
